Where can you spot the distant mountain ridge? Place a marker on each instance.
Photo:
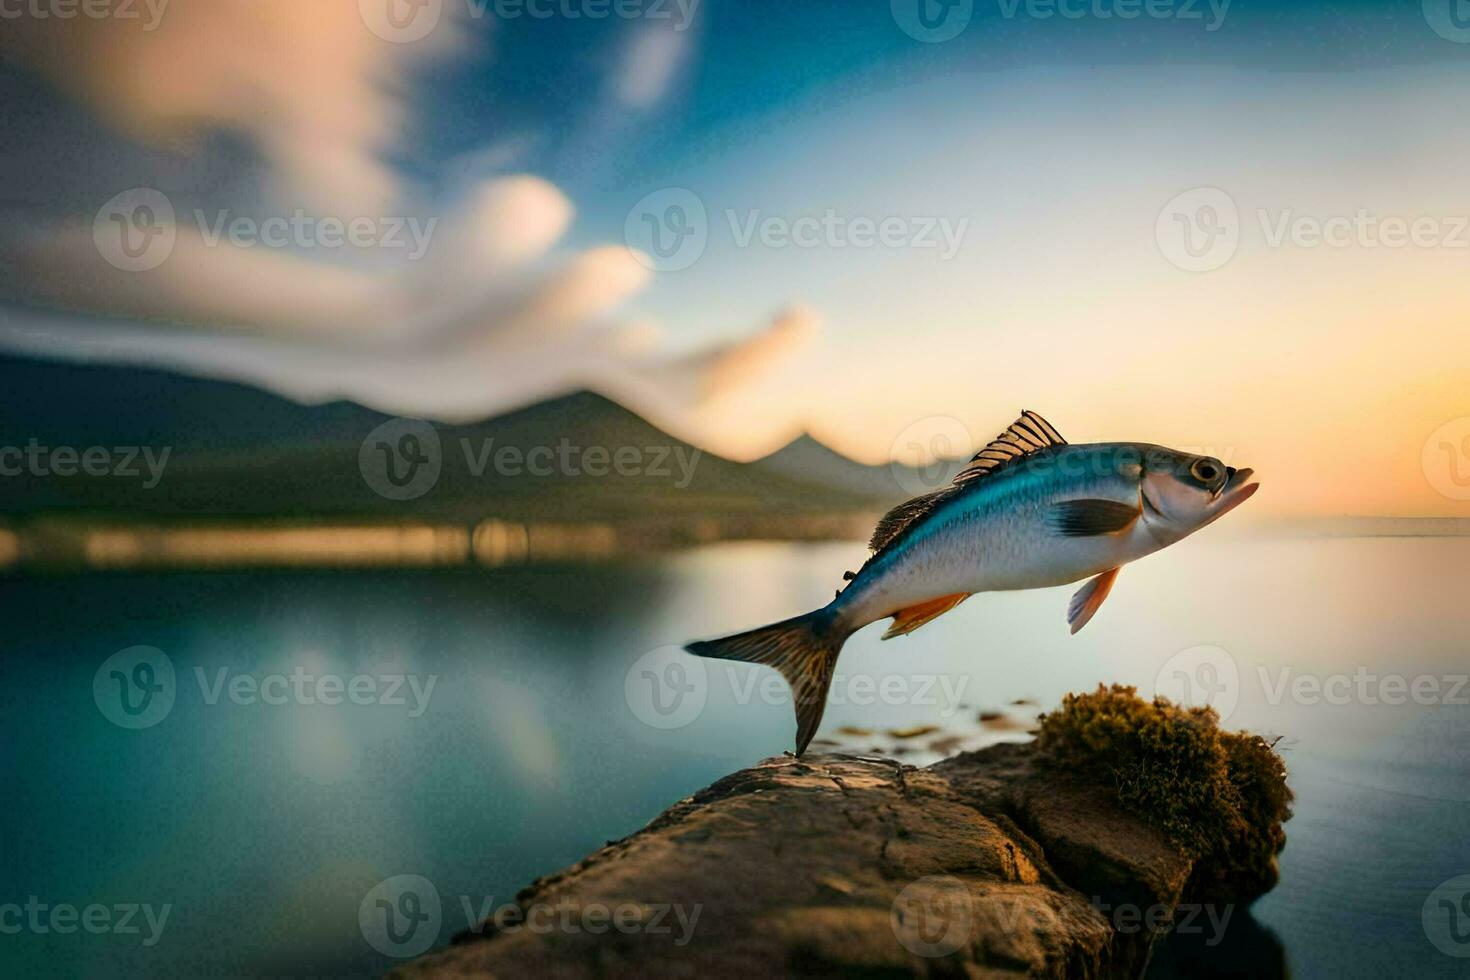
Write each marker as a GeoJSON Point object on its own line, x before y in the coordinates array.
{"type": "Point", "coordinates": [236, 452]}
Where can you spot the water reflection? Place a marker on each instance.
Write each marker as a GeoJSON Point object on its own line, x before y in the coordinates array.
{"type": "Point", "coordinates": [264, 820]}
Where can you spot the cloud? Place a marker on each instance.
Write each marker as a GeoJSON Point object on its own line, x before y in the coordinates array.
{"type": "Point", "coordinates": [420, 271]}
{"type": "Point", "coordinates": [556, 338]}
{"type": "Point", "coordinates": [310, 84]}
{"type": "Point", "coordinates": [650, 65]}
{"type": "Point", "coordinates": [472, 311]}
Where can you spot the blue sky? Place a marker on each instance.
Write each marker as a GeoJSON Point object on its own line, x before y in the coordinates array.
{"type": "Point", "coordinates": [1031, 167]}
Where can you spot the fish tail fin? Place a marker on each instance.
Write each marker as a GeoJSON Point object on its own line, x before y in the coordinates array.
{"type": "Point", "coordinates": [803, 649]}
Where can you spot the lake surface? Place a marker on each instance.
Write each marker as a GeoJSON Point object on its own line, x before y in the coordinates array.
{"type": "Point", "coordinates": [497, 725]}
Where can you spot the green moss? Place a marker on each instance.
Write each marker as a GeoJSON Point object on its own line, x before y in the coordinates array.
{"type": "Point", "coordinates": [1220, 796]}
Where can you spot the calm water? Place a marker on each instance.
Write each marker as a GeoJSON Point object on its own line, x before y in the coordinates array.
{"type": "Point", "coordinates": [262, 826]}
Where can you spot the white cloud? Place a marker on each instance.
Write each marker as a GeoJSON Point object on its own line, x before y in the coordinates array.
{"type": "Point", "coordinates": [650, 65]}
{"type": "Point", "coordinates": [490, 317]}
{"type": "Point", "coordinates": [318, 93]}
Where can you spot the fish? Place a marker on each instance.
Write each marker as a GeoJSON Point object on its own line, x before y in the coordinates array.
{"type": "Point", "coordinates": [1029, 511]}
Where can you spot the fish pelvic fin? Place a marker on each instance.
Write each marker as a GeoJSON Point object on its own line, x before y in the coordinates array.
{"type": "Point", "coordinates": [1089, 599]}
{"type": "Point", "coordinates": [905, 621]}
{"type": "Point", "coordinates": [803, 649]}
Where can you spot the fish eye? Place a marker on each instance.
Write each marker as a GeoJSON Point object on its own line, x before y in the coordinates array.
{"type": "Point", "coordinates": [1206, 470]}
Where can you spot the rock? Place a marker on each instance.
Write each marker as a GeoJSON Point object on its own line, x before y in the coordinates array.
{"type": "Point", "coordinates": [982, 865]}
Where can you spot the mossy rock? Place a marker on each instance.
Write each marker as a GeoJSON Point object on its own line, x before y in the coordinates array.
{"type": "Point", "coordinates": [1220, 796]}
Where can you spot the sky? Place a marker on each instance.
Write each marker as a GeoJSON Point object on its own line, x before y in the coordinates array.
{"type": "Point", "coordinates": [1237, 228]}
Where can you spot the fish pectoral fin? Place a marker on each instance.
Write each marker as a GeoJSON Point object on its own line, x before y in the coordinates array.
{"type": "Point", "coordinates": [1088, 518]}
{"type": "Point", "coordinates": [905, 621]}
{"type": "Point", "coordinates": [1088, 599]}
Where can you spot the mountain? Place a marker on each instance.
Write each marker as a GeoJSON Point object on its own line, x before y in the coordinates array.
{"type": "Point", "coordinates": [236, 452]}
{"type": "Point", "coordinates": [806, 459]}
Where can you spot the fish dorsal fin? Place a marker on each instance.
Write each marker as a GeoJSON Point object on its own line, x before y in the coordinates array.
{"type": "Point", "coordinates": [1027, 435]}
{"type": "Point", "coordinates": [905, 514]}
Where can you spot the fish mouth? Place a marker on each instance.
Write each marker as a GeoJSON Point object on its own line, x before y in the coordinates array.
{"type": "Point", "coordinates": [1237, 490]}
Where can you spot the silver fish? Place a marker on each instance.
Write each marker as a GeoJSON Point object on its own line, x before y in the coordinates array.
{"type": "Point", "coordinates": [1030, 511]}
